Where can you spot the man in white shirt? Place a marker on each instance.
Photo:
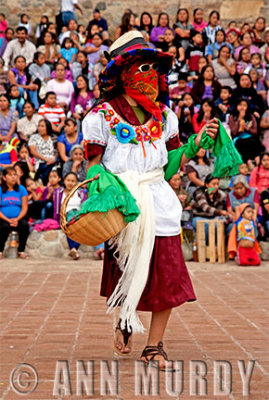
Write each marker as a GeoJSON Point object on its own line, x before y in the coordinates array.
{"type": "Point", "coordinates": [20, 46]}
{"type": "Point", "coordinates": [68, 10]}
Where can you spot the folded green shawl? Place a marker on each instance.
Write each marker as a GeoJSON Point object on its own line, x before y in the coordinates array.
{"type": "Point", "coordinates": [227, 157]}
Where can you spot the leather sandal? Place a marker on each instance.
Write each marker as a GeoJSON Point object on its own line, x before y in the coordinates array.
{"type": "Point", "coordinates": [150, 352]}
{"type": "Point", "coordinates": [126, 339]}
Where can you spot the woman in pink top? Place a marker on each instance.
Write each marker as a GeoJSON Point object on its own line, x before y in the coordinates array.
{"type": "Point", "coordinates": [198, 21]}
{"type": "Point", "coordinates": [3, 25]}
{"type": "Point", "coordinates": [61, 87]}
{"type": "Point", "coordinates": [246, 41]}
{"type": "Point", "coordinates": [259, 178]}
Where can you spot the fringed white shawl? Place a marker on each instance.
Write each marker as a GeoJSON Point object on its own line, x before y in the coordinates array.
{"type": "Point", "coordinates": [134, 245]}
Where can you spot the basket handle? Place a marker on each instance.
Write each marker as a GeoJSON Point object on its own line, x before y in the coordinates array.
{"type": "Point", "coordinates": [66, 200]}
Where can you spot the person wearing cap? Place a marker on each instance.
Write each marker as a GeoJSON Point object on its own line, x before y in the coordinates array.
{"type": "Point", "coordinates": [131, 132]}
{"type": "Point", "coordinates": [98, 20]}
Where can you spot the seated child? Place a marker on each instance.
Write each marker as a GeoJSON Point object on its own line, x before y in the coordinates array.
{"type": "Point", "coordinates": [53, 184]}
{"type": "Point", "coordinates": [24, 156]}
{"type": "Point", "coordinates": [16, 100]}
{"type": "Point", "coordinates": [224, 103]}
{"type": "Point", "coordinates": [184, 198]}
{"type": "Point", "coordinates": [177, 92]}
{"type": "Point", "coordinates": [246, 245]}
{"type": "Point", "coordinates": [35, 204]}
{"type": "Point", "coordinates": [70, 181]}
{"type": "Point", "coordinates": [243, 170]}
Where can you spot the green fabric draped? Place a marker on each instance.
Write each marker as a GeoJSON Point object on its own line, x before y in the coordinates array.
{"type": "Point", "coordinates": [227, 157]}
{"type": "Point", "coordinates": [108, 192]}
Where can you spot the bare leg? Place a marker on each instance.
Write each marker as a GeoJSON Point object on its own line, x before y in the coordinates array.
{"type": "Point", "coordinates": [158, 324]}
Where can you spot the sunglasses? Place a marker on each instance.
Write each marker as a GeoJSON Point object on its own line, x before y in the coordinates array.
{"type": "Point", "coordinates": [148, 67]}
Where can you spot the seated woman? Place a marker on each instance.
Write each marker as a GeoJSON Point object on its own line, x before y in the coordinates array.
{"type": "Point", "coordinates": [76, 163]}
{"type": "Point", "coordinates": [225, 67]}
{"type": "Point", "coordinates": [49, 48]}
{"type": "Point", "coordinates": [95, 48]}
{"type": "Point", "coordinates": [206, 85]}
{"type": "Point", "coordinates": [240, 194]}
{"type": "Point", "coordinates": [244, 131]}
{"type": "Point", "coordinates": [27, 125]}
{"type": "Point", "coordinates": [68, 139]}
{"type": "Point", "coordinates": [8, 119]}
{"type": "Point", "coordinates": [209, 202]}
{"type": "Point", "coordinates": [207, 111]}
{"type": "Point", "coordinates": [19, 76]}
{"type": "Point", "coordinates": [246, 91]}
{"type": "Point", "coordinates": [13, 208]}
{"type": "Point", "coordinates": [157, 33]}
{"type": "Point", "coordinates": [80, 98]}
{"type": "Point", "coordinates": [197, 170]}
{"type": "Point", "coordinates": [41, 147]}
{"type": "Point", "coordinates": [61, 86]}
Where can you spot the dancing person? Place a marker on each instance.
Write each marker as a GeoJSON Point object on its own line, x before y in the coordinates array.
{"type": "Point", "coordinates": [133, 113]}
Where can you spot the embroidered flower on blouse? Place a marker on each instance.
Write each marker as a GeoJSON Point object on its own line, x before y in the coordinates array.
{"type": "Point", "coordinates": [124, 133]}
{"type": "Point", "coordinates": [155, 130]}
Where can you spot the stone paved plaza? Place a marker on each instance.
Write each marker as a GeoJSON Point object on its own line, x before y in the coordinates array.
{"type": "Point", "coordinates": [53, 319]}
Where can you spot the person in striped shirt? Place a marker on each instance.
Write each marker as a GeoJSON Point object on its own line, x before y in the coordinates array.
{"type": "Point", "coordinates": [53, 113]}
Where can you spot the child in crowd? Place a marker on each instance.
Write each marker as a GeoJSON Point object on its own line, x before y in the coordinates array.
{"type": "Point", "coordinates": [177, 92]}
{"type": "Point", "coordinates": [243, 170]}
{"type": "Point", "coordinates": [185, 111]}
{"type": "Point", "coordinates": [194, 52]}
{"type": "Point", "coordinates": [39, 70]}
{"type": "Point", "coordinates": [25, 22]}
{"type": "Point", "coordinates": [53, 113]}
{"type": "Point", "coordinates": [242, 243]}
{"type": "Point", "coordinates": [24, 156]}
{"type": "Point", "coordinates": [259, 178]}
{"type": "Point", "coordinates": [96, 96]}
{"type": "Point", "coordinates": [70, 181]}
{"type": "Point", "coordinates": [22, 171]}
{"type": "Point", "coordinates": [68, 51]}
{"type": "Point", "coordinates": [224, 103]}
{"type": "Point", "coordinates": [256, 63]}
{"type": "Point", "coordinates": [35, 204]}
{"type": "Point", "coordinates": [53, 184]}
{"type": "Point", "coordinates": [16, 100]}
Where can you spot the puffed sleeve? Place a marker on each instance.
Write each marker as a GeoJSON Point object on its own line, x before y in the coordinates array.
{"type": "Point", "coordinates": [95, 135]}
{"type": "Point", "coordinates": [171, 125]}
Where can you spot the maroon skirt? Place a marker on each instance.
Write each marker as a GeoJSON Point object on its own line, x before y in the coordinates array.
{"type": "Point", "coordinates": [168, 284]}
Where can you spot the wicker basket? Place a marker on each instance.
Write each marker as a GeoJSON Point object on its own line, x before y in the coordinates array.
{"type": "Point", "coordinates": [92, 228]}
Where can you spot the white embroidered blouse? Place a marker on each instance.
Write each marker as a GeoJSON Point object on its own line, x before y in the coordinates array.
{"type": "Point", "coordinates": [131, 148]}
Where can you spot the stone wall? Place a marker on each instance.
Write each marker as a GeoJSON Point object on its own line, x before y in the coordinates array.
{"type": "Point", "coordinates": [50, 244]}
{"type": "Point", "coordinates": [246, 10]}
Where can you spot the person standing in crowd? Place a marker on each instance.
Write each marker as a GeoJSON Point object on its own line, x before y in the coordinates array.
{"type": "Point", "coordinates": [20, 46]}
{"type": "Point", "coordinates": [209, 32]}
{"type": "Point", "coordinates": [68, 10]}
{"type": "Point", "coordinates": [13, 209]}
{"type": "Point", "coordinates": [182, 28]}
{"type": "Point", "coordinates": [199, 23]}
{"type": "Point", "coordinates": [100, 21]}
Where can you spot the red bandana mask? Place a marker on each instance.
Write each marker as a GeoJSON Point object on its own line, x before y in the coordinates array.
{"type": "Point", "coordinates": [143, 87]}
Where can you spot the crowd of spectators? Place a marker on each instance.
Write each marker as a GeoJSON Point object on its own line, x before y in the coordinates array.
{"type": "Point", "coordinates": [49, 82]}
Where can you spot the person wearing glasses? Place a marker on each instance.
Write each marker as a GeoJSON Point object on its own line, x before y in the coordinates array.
{"type": "Point", "coordinates": [131, 132]}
